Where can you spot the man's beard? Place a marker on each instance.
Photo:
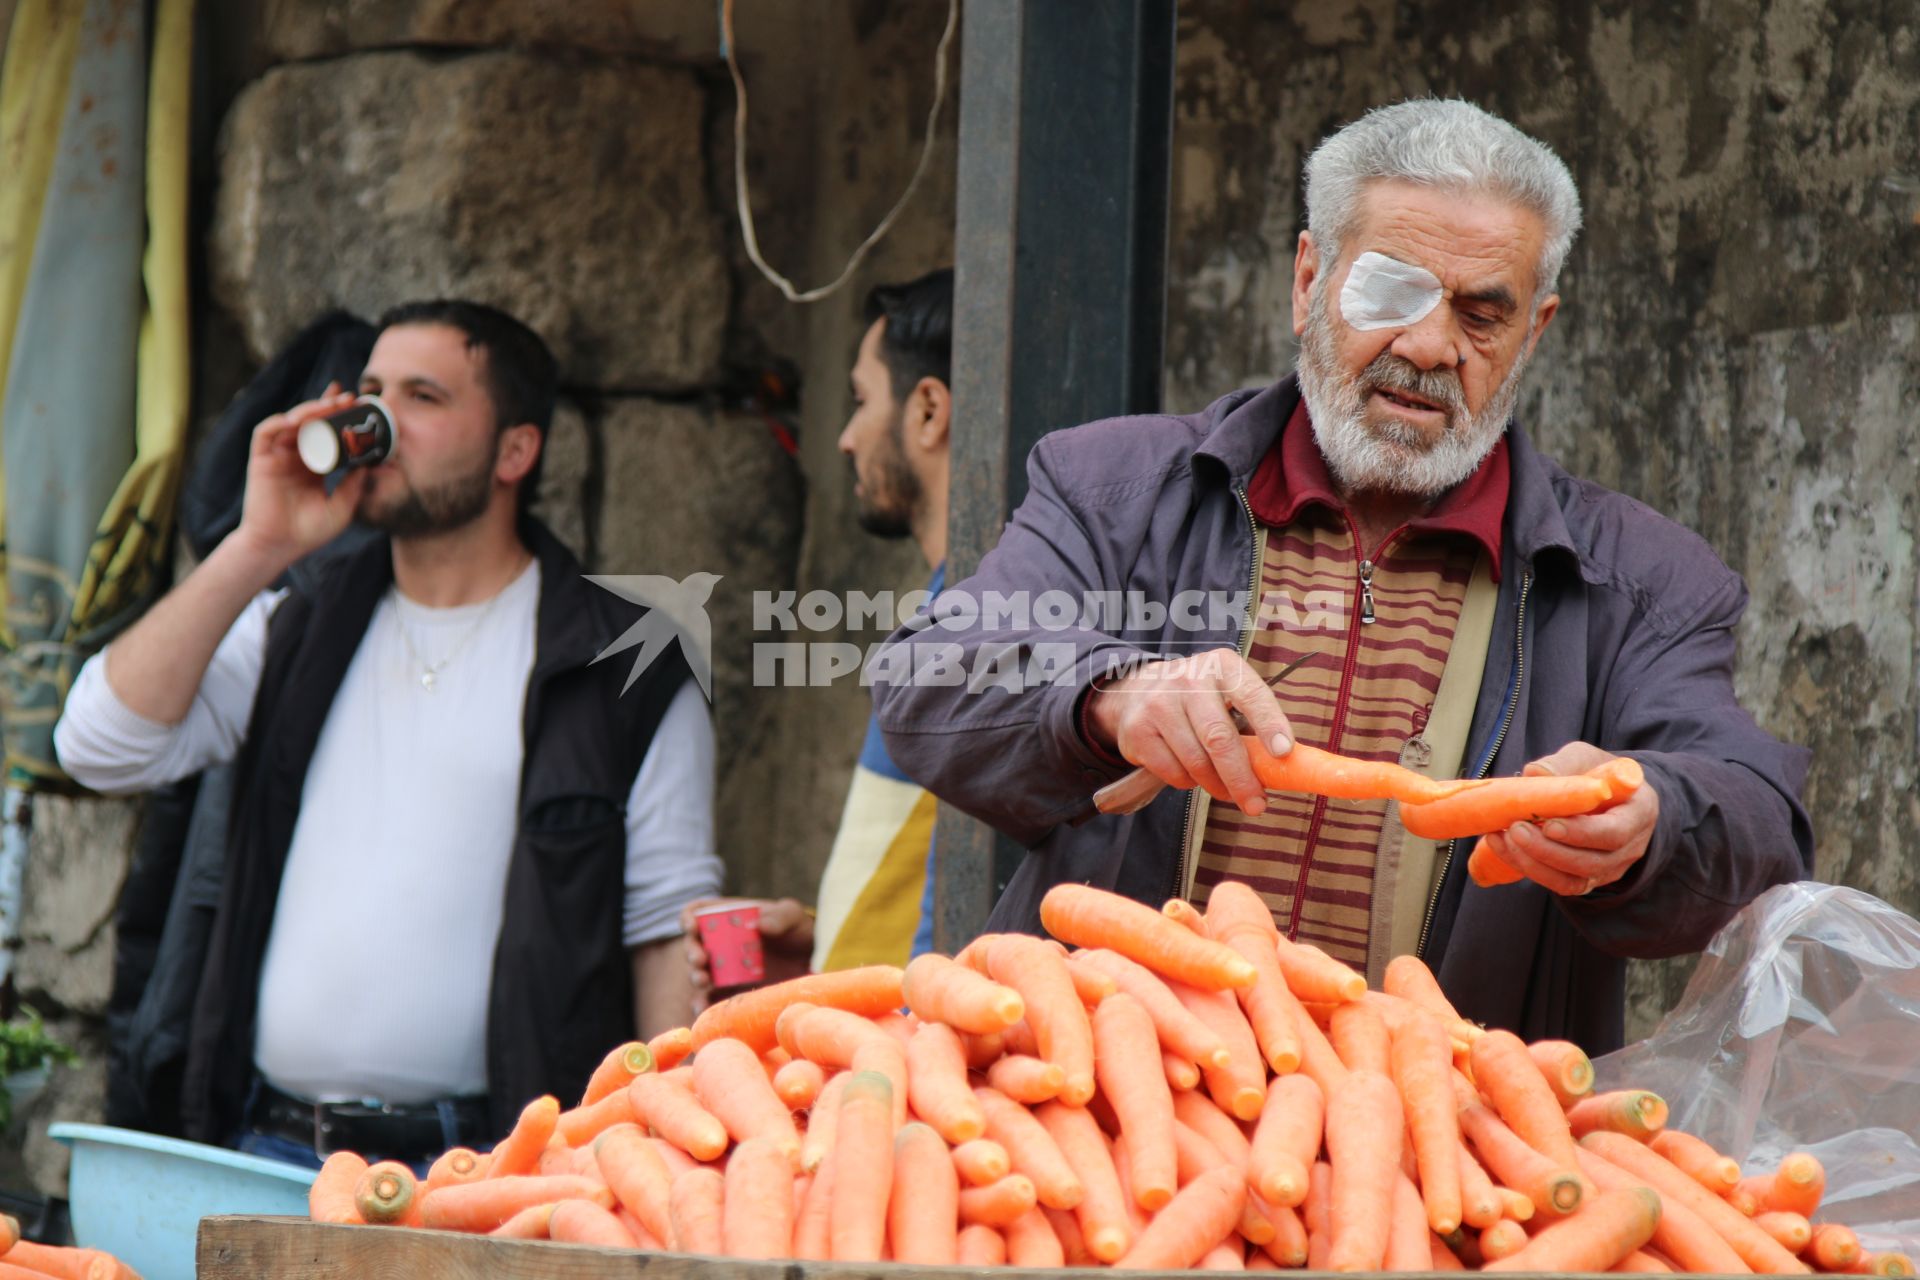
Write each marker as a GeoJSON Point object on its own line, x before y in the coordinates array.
{"type": "Point", "coordinates": [1370, 452]}
{"type": "Point", "coordinates": [423, 512]}
{"type": "Point", "coordinates": [887, 509]}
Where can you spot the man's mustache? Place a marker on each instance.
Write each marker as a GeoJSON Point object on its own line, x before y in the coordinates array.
{"type": "Point", "coordinates": [1442, 387]}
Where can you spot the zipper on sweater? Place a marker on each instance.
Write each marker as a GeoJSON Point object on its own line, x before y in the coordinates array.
{"type": "Point", "coordinates": [1339, 725]}
{"type": "Point", "coordinates": [1179, 888]}
{"type": "Point", "coordinates": [1486, 764]}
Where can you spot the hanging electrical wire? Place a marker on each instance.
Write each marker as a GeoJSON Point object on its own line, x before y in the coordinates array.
{"type": "Point", "coordinates": [786, 286]}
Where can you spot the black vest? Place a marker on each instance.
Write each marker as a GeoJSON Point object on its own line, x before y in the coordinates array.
{"type": "Point", "coordinates": [562, 986]}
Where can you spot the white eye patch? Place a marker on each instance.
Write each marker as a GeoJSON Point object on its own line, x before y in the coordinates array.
{"type": "Point", "coordinates": [1385, 293]}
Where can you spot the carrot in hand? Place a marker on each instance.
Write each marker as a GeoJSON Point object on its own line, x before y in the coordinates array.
{"type": "Point", "coordinates": [1487, 867]}
{"type": "Point", "coordinates": [1499, 803]}
{"type": "Point", "coordinates": [1314, 771]}
{"type": "Point", "coordinates": [1085, 917]}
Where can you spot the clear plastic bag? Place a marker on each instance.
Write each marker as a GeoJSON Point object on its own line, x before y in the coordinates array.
{"type": "Point", "coordinates": [1800, 1031]}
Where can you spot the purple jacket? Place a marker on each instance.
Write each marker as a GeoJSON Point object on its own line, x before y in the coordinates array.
{"type": "Point", "coordinates": [1614, 626]}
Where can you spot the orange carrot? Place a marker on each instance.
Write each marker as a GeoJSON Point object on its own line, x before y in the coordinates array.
{"type": "Point", "coordinates": [1187, 916]}
{"type": "Point", "coordinates": [1237, 916]}
{"type": "Point", "coordinates": [812, 1222]}
{"type": "Point", "coordinates": [1501, 802]}
{"type": "Point", "coordinates": [1797, 1186]}
{"type": "Point", "coordinates": [1755, 1247]}
{"type": "Point", "coordinates": [980, 1246]}
{"type": "Point", "coordinates": [1289, 1244]}
{"type": "Point", "coordinates": [1180, 1073]}
{"type": "Point", "coordinates": [1031, 1149]}
{"type": "Point", "coordinates": [863, 1169]}
{"type": "Point", "coordinates": [1318, 1061]}
{"type": "Point", "coordinates": [670, 1048]}
{"type": "Point", "coordinates": [1634, 1112]}
{"type": "Point", "coordinates": [1365, 1124]}
{"type": "Point", "coordinates": [578, 1127]}
{"type": "Point", "coordinates": [330, 1198]}
{"type": "Point", "coordinates": [981, 1161]}
{"type": "Point", "coordinates": [1411, 979]}
{"type": "Point", "coordinates": [520, 1150]}
{"type": "Point", "coordinates": [829, 1037]}
{"type": "Point", "coordinates": [1073, 1245]}
{"type": "Point", "coordinates": [387, 1192]}
{"type": "Point", "coordinates": [460, 1164]}
{"type": "Point", "coordinates": [27, 1260]}
{"type": "Point", "coordinates": [1502, 1240]}
{"type": "Point", "coordinates": [1480, 1203]}
{"type": "Point", "coordinates": [937, 1084]}
{"type": "Point", "coordinates": [484, 1205]}
{"type": "Point", "coordinates": [1063, 1033]}
{"type": "Point", "coordinates": [1485, 865]}
{"type": "Point", "coordinates": [616, 1071]}
{"type": "Point", "coordinates": [1091, 986]}
{"type": "Point", "coordinates": [982, 1051]}
{"type": "Point", "coordinates": [1316, 977]}
{"type": "Point", "coordinates": [637, 1175]}
{"type": "Point", "coordinates": [528, 1224]}
{"type": "Point", "coordinates": [1507, 1074]}
{"type": "Point", "coordinates": [1422, 1059]}
{"type": "Point", "coordinates": [1179, 1030]}
{"type": "Point", "coordinates": [1682, 1234]}
{"type": "Point", "coordinates": [798, 1083]}
{"type": "Point", "coordinates": [998, 1203]}
{"type": "Point", "coordinates": [1699, 1161]}
{"type": "Point", "coordinates": [729, 1082]}
{"type": "Point", "coordinates": [1407, 1230]}
{"type": "Point", "coordinates": [667, 1106]}
{"type": "Point", "coordinates": [1135, 1085]}
{"type": "Point", "coordinates": [1205, 1118]}
{"type": "Point", "coordinates": [1228, 1255]}
{"type": "Point", "coordinates": [1568, 1070]}
{"type": "Point", "coordinates": [1606, 1230]}
{"type": "Point", "coordinates": [756, 1218]}
{"type": "Point", "coordinates": [695, 1205]}
{"type": "Point", "coordinates": [869, 991]}
{"type": "Point", "coordinates": [900, 1026]}
{"type": "Point", "coordinates": [1318, 772]}
{"type": "Point", "coordinates": [1442, 1258]}
{"type": "Point", "coordinates": [1197, 1157]}
{"type": "Point", "coordinates": [1891, 1263]}
{"type": "Point", "coordinates": [1085, 917]}
{"type": "Point", "coordinates": [1241, 1085]}
{"type": "Point", "coordinates": [886, 1056]}
{"type": "Point", "coordinates": [1101, 1216]}
{"type": "Point", "coordinates": [584, 1222]}
{"type": "Point", "coordinates": [1641, 1262]}
{"type": "Point", "coordinates": [923, 1207]}
{"type": "Point", "coordinates": [1029, 1080]}
{"type": "Point", "coordinates": [1316, 1213]}
{"type": "Point", "coordinates": [1286, 1140]}
{"type": "Point", "coordinates": [1554, 1190]}
{"type": "Point", "coordinates": [939, 990]}
{"type": "Point", "coordinates": [1031, 1244]}
{"type": "Point", "coordinates": [1359, 1036]}
{"type": "Point", "coordinates": [822, 1123]}
{"type": "Point", "coordinates": [1792, 1230]}
{"type": "Point", "coordinates": [1832, 1247]}
{"type": "Point", "coordinates": [1194, 1221]}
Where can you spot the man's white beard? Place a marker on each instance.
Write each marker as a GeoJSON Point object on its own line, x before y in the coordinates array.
{"type": "Point", "coordinates": [1367, 452]}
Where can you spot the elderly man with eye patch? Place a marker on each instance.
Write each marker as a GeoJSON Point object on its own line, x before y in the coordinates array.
{"type": "Point", "coordinates": [1409, 580]}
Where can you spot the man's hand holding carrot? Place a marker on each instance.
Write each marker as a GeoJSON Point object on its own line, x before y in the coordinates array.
{"type": "Point", "coordinates": [1173, 718]}
{"type": "Point", "coordinates": [1574, 856]}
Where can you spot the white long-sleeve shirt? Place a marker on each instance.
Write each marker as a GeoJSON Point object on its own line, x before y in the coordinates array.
{"type": "Point", "coordinates": [379, 960]}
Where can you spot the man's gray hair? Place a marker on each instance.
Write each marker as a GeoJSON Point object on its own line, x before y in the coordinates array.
{"type": "Point", "coordinates": [1444, 143]}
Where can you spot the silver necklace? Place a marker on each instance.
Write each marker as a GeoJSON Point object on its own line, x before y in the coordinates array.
{"type": "Point", "coordinates": [430, 671]}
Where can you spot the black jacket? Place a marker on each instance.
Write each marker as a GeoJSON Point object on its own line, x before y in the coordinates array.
{"type": "Point", "coordinates": [562, 992]}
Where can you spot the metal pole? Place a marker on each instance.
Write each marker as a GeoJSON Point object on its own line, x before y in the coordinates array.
{"type": "Point", "coordinates": [1066, 114]}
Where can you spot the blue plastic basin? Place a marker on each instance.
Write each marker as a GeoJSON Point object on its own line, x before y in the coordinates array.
{"type": "Point", "coordinates": [141, 1197]}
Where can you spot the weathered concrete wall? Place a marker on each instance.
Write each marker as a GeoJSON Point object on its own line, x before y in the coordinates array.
{"type": "Point", "coordinates": [1738, 341]}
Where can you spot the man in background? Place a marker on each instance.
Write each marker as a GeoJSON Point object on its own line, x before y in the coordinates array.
{"type": "Point", "coordinates": [872, 891]}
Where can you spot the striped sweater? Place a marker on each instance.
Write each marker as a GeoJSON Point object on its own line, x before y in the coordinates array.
{"type": "Point", "coordinates": [1378, 627]}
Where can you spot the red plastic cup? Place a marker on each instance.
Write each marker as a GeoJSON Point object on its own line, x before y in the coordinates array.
{"type": "Point", "coordinates": [730, 933]}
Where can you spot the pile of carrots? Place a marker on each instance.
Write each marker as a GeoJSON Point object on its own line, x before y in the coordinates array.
{"type": "Point", "coordinates": [1180, 1090]}
{"type": "Point", "coordinates": [25, 1260]}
